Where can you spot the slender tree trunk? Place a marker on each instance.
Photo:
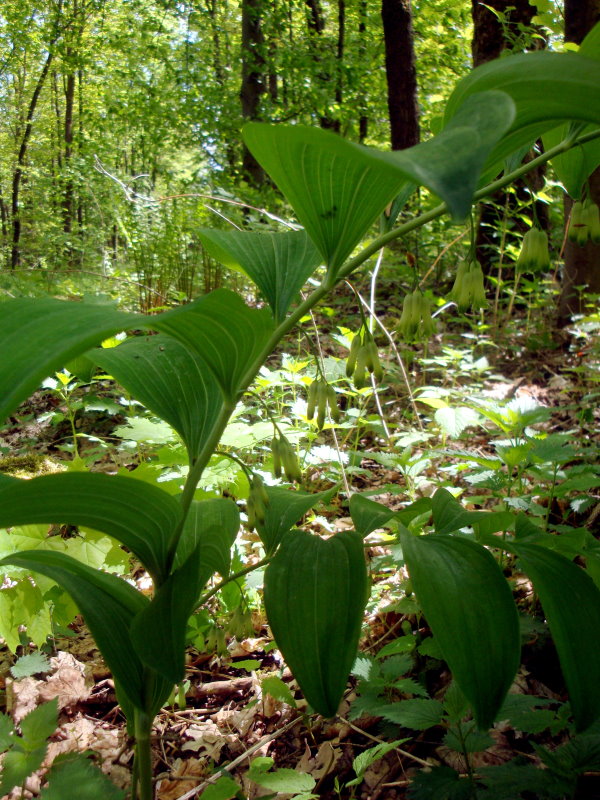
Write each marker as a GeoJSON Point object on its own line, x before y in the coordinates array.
{"type": "Point", "coordinates": [15, 258]}
{"type": "Point", "coordinates": [401, 73]}
{"type": "Point", "coordinates": [68, 134]}
{"type": "Point", "coordinates": [363, 120]}
{"type": "Point", "coordinates": [580, 263]}
{"type": "Point", "coordinates": [253, 84]}
{"type": "Point", "coordinates": [341, 43]}
{"type": "Point", "coordinates": [80, 226]}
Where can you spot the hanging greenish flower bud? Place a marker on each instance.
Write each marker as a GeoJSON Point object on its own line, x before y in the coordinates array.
{"type": "Point", "coordinates": [321, 404]}
{"type": "Point", "coordinates": [476, 287]}
{"type": "Point", "coordinates": [289, 461]}
{"type": "Point", "coordinates": [332, 400]}
{"type": "Point", "coordinates": [468, 290]}
{"type": "Point", "coordinates": [410, 317]}
{"type": "Point", "coordinates": [592, 217]}
{"type": "Point", "coordinates": [250, 513]}
{"type": "Point", "coordinates": [459, 292]}
{"type": "Point", "coordinates": [534, 253]}
{"type": "Point", "coordinates": [322, 396]}
{"type": "Point", "coordinates": [416, 322]}
{"type": "Point", "coordinates": [365, 357]}
{"type": "Point", "coordinates": [373, 362]}
{"type": "Point", "coordinates": [578, 225]}
{"type": "Point", "coordinates": [258, 501]}
{"type": "Point", "coordinates": [427, 327]}
{"type": "Point", "coordinates": [311, 400]}
{"type": "Point", "coordinates": [276, 453]}
{"type": "Point", "coordinates": [355, 346]}
{"type": "Point", "coordinates": [360, 371]}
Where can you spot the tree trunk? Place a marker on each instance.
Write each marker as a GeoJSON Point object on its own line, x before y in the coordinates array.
{"type": "Point", "coordinates": [401, 73]}
{"type": "Point", "coordinates": [15, 256]}
{"type": "Point", "coordinates": [80, 226]}
{"type": "Point", "coordinates": [580, 263]}
{"type": "Point", "coordinates": [253, 85]}
{"type": "Point", "coordinates": [68, 134]}
{"type": "Point", "coordinates": [490, 35]}
{"type": "Point", "coordinates": [363, 120]}
{"type": "Point", "coordinates": [341, 42]}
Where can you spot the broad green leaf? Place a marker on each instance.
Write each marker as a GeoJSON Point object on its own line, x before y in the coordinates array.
{"type": "Point", "coordinates": [223, 789]}
{"type": "Point", "coordinates": [571, 603]}
{"type": "Point", "coordinates": [7, 730]}
{"type": "Point", "coordinates": [450, 516]}
{"type": "Point", "coordinates": [227, 335]}
{"type": "Point", "coordinates": [367, 515]}
{"type": "Point", "coordinates": [279, 780]}
{"type": "Point", "coordinates": [418, 714]}
{"type": "Point", "coordinates": [574, 167]}
{"type": "Point", "coordinates": [420, 507]}
{"type": "Point", "coordinates": [450, 163]}
{"type": "Point", "coordinates": [448, 513]}
{"type": "Point", "coordinates": [469, 740]}
{"type": "Point", "coordinates": [574, 95]}
{"type": "Point", "coordinates": [72, 770]}
{"type": "Point", "coordinates": [364, 760]}
{"type": "Point", "coordinates": [41, 335]}
{"type": "Point", "coordinates": [30, 664]}
{"type": "Point", "coordinates": [285, 509]}
{"type": "Point", "coordinates": [18, 765]}
{"type": "Point", "coordinates": [453, 421]}
{"type": "Point", "coordinates": [315, 596]}
{"type": "Point", "coordinates": [274, 686]}
{"type": "Point", "coordinates": [338, 188]}
{"type": "Point", "coordinates": [158, 631]}
{"type": "Point", "coordinates": [214, 524]}
{"type": "Point", "coordinates": [39, 725]}
{"type": "Point", "coordinates": [108, 604]}
{"type": "Point", "coordinates": [469, 607]}
{"type": "Point", "coordinates": [278, 263]}
{"type": "Point", "coordinates": [82, 367]}
{"type": "Point", "coordinates": [169, 379]}
{"type": "Point", "coordinates": [138, 515]}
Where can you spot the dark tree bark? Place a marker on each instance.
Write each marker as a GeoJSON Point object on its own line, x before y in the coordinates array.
{"type": "Point", "coordinates": [363, 120]}
{"type": "Point", "coordinates": [253, 83]}
{"type": "Point", "coordinates": [68, 133]}
{"type": "Point", "coordinates": [15, 256]}
{"type": "Point", "coordinates": [401, 73]}
{"type": "Point", "coordinates": [341, 43]}
{"type": "Point", "coordinates": [79, 146]}
{"type": "Point", "coordinates": [580, 263]}
{"type": "Point", "coordinates": [490, 38]}
{"type": "Point", "coordinates": [316, 20]}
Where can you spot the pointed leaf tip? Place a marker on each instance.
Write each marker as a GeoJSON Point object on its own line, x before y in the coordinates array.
{"type": "Point", "coordinates": [315, 596]}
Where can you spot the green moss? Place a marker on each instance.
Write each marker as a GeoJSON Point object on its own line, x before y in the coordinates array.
{"type": "Point", "coordinates": [31, 462]}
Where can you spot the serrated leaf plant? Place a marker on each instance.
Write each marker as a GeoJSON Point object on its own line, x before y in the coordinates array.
{"type": "Point", "coordinates": [203, 358]}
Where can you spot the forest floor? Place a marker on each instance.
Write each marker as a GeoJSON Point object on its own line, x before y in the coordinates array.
{"type": "Point", "coordinates": [227, 716]}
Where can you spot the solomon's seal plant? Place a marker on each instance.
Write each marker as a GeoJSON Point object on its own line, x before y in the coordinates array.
{"type": "Point", "coordinates": [534, 254]}
{"type": "Point", "coordinates": [416, 322]}
{"type": "Point", "coordinates": [204, 356]}
{"type": "Point", "coordinates": [468, 290]}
